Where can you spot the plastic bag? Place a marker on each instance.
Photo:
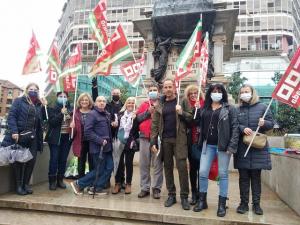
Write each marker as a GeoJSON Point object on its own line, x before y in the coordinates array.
{"type": "Point", "coordinates": [213, 173]}
{"type": "Point", "coordinates": [71, 170]}
{"type": "Point", "coordinates": [14, 153]}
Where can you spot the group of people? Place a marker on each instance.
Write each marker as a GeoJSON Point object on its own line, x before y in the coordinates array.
{"type": "Point", "coordinates": [107, 134]}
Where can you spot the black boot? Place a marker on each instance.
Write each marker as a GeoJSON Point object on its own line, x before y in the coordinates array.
{"type": "Point", "coordinates": [194, 198]}
{"type": "Point", "coordinates": [60, 182]}
{"type": "Point", "coordinates": [27, 175]}
{"type": "Point", "coordinates": [244, 185]}
{"type": "Point", "coordinates": [257, 209]}
{"type": "Point", "coordinates": [52, 182]}
{"type": "Point", "coordinates": [202, 203]}
{"type": "Point", "coordinates": [242, 208]}
{"type": "Point", "coordinates": [19, 174]}
{"type": "Point", "coordinates": [170, 201]}
{"type": "Point", "coordinates": [185, 203]}
{"type": "Point", "coordinates": [222, 206]}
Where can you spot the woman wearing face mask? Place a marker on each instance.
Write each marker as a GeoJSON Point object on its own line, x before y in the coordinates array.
{"type": "Point", "coordinates": [250, 111]}
{"type": "Point", "coordinates": [26, 115]}
{"type": "Point", "coordinates": [219, 137]}
{"type": "Point", "coordinates": [126, 116]}
{"type": "Point", "coordinates": [191, 101]}
{"type": "Point", "coordinates": [58, 138]}
{"type": "Point", "coordinates": [80, 143]}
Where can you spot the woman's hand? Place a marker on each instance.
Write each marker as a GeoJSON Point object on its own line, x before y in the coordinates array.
{"type": "Point", "coordinates": [197, 104]}
{"type": "Point", "coordinates": [261, 122]}
{"type": "Point", "coordinates": [44, 101]}
{"type": "Point", "coordinates": [72, 124]}
{"type": "Point", "coordinates": [247, 131]}
{"type": "Point", "coordinates": [154, 149]}
{"type": "Point", "coordinates": [179, 109]}
{"type": "Point", "coordinates": [15, 137]}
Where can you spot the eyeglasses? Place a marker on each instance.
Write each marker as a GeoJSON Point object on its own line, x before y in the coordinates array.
{"type": "Point", "coordinates": [193, 93]}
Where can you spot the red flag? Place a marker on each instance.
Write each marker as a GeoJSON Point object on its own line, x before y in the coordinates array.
{"type": "Point", "coordinates": [73, 65]}
{"type": "Point", "coordinates": [70, 83]}
{"type": "Point", "coordinates": [32, 62]}
{"type": "Point", "coordinates": [54, 59]}
{"type": "Point", "coordinates": [98, 23]}
{"type": "Point", "coordinates": [133, 70]}
{"type": "Point", "coordinates": [287, 90]}
{"type": "Point", "coordinates": [114, 52]}
{"type": "Point", "coordinates": [204, 59]}
{"type": "Point", "coordinates": [53, 76]}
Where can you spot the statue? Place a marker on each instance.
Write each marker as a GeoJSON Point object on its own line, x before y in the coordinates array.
{"type": "Point", "coordinates": [162, 49]}
{"type": "Point", "coordinates": [173, 22]}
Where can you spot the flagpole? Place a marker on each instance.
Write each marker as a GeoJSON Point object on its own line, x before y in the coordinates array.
{"type": "Point", "coordinates": [136, 93]}
{"type": "Point", "coordinates": [74, 105]}
{"type": "Point", "coordinates": [249, 146]}
{"type": "Point", "coordinates": [178, 92]}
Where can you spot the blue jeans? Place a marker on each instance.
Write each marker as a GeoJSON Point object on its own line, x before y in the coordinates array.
{"type": "Point", "coordinates": [58, 156]}
{"type": "Point", "coordinates": [207, 156]}
{"type": "Point", "coordinates": [104, 172]}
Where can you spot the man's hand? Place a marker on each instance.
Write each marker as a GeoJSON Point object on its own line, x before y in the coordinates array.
{"type": "Point", "coordinates": [114, 124]}
{"type": "Point", "coordinates": [64, 110]}
{"type": "Point", "coordinates": [179, 109]}
{"type": "Point", "coordinates": [154, 149]}
{"type": "Point", "coordinates": [247, 131]}
{"type": "Point", "coordinates": [104, 142]}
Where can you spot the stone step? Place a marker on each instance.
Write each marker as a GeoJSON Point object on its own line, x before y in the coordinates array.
{"type": "Point", "coordinates": [129, 208]}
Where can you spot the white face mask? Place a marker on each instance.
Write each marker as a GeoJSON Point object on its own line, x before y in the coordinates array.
{"type": "Point", "coordinates": [245, 97]}
{"type": "Point", "coordinates": [216, 97]}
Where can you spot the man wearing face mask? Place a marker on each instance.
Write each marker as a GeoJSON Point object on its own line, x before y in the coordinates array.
{"type": "Point", "coordinates": [144, 114]}
{"type": "Point", "coordinates": [58, 138]}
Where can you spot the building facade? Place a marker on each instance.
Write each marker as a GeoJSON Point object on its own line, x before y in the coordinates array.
{"type": "Point", "coordinates": [9, 92]}
{"type": "Point", "coordinates": [267, 34]}
{"type": "Point", "coordinates": [74, 29]}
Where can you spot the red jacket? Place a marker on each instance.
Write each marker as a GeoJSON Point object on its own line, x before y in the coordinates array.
{"type": "Point", "coordinates": [145, 126]}
{"type": "Point", "coordinates": [78, 131]}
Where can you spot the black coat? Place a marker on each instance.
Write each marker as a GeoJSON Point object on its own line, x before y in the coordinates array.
{"type": "Point", "coordinates": [20, 114]}
{"type": "Point", "coordinates": [54, 122]}
{"type": "Point", "coordinates": [248, 116]}
{"type": "Point", "coordinates": [113, 109]}
{"type": "Point", "coordinates": [228, 132]}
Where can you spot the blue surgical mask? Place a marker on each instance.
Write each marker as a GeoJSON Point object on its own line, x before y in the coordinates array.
{"type": "Point", "coordinates": [62, 100]}
{"type": "Point", "coordinates": [216, 97]}
{"type": "Point", "coordinates": [32, 94]}
{"type": "Point", "coordinates": [153, 95]}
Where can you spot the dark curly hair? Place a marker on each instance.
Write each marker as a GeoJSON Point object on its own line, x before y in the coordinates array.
{"type": "Point", "coordinates": [220, 87]}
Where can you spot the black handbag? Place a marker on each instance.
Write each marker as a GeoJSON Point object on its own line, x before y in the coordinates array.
{"type": "Point", "coordinates": [25, 138]}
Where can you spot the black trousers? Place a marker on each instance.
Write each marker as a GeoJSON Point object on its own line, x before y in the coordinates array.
{"type": "Point", "coordinates": [247, 178]}
{"type": "Point", "coordinates": [23, 171]}
{"type": "Point", "coordinates": [126, 162]}
{"type": "Point", "coordinates": [194, 168]}
{"type": "Point", "coordinates": [84, 155]}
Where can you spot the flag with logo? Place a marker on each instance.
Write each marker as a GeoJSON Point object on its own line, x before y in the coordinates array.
{"type": "Point", "coordinates": [116, 50]}
{"type": "Point", "coordinates": [189, 54]}
{"type": "Point", "coordinates": [32, 62]}
{"type": "Point", "coordinates": [52, 75]}
{"type": "Point", "coordinates": [133, 70]}
{"type": "Point", "coordinates": [70, 83]}
{"type": "Point", "coordinates": [54, 59]}
{"type": "Point", "coordinates": [204, 57]}
{"type": "Point", "coordinates": [98, 23]}
{"type": "Point", "coordinates": [287, 90]}
{"type": "Point", "coordinates": [73, 64]}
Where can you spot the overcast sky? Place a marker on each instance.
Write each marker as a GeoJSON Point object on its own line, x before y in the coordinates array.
{"type": "Point", "coordinates": [17, 20]}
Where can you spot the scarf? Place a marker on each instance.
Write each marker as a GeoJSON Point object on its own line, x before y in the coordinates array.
{"type": "Point", "coordinates": [126, 123]}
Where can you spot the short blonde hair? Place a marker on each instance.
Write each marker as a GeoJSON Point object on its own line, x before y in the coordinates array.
{"type": "Point", "coordinates": [254, 98]}
{"type": "Point", "coordinates": [85, 94]}
{"type": "Point", "coordinates": [190, 88]}
{"type": "Point", "coordinates": [126, 102]}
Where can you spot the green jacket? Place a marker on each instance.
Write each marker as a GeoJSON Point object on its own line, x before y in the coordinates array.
{"type": "Point", "coordinates": [157, 128]}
